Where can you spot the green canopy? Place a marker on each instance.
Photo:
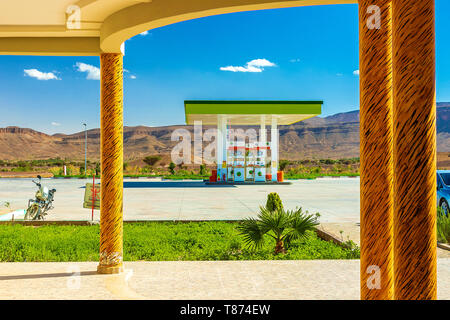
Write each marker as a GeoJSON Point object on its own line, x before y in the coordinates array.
{"type": "Point", "coordinates": [251, 112]}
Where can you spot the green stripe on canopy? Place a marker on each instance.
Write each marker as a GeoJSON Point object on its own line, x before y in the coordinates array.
{"type": "Point", "coordinates": [251, 112]}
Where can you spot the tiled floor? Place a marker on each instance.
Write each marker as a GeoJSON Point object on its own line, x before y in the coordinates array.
{"type": "Point", "coordinates": [306, 279]}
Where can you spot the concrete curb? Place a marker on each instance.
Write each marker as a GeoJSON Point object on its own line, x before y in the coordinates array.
{"type": "Point", "coordinates": [444, 246]}
{"type": "Point", "coordinates": [326, 236]}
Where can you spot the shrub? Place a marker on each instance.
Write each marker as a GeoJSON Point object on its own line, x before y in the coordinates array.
{"type": "Point", "coordinates": [274, 202]}
{"type": "Point", "coordinates": [172, 168]}
{"type": "Point", "coordinates": [152, 160]}
{"type": "Point", "coordinates": [283, 164]}
{"type": "Point", "coordinates": [443, 226]}
{"type": "Point", "coordinates": [202, 171]}
{"type": "Point", "coordinates": [56, 171]}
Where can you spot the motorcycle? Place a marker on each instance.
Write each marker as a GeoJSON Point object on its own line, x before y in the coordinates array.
{"type": "Point", "coordinates": [43, 202]}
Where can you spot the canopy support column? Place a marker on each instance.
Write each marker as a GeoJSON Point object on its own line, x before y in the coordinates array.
{"type": "Point", "coordinates": [274, 149]}
{"type": "Point", "coordinates": [376, 134]}
{"type": "Point", "coordinates": [221, 152]}
{"type": "Point", "coordinates": [262, 132]}
{"type": "Point", "coordinates": [111, 145]}
{"type": "Point", "coordinates": [219, 148]}
{"type": "Point", "coordinates": [224, 147]}
{"type": "Point", "coordinates": [414, 150]}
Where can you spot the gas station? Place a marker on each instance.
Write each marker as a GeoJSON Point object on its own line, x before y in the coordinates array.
{"type": "Point", "coordinates": [247, 158]}
{"type": "Point", "coordinates": [397, 117]}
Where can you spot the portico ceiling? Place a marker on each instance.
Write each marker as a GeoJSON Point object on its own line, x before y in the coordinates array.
{"type": "Point", "coordinates": [39, 27]}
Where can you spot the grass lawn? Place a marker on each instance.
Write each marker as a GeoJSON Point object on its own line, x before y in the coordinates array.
{"type": "Point", "coordinates": [288, 176]}
{"type": "Point", "coordinates": [154, 241]}
{"type": "Point", "coordinates": [298, 176]}
{"type": "Point", "coordinates": [168, 177]}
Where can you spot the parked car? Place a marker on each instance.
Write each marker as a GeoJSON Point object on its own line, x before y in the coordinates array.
{"type": "Point", "coordinates": [443, 190]}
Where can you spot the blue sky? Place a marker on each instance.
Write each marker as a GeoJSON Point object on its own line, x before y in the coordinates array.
{"type": "Point", "coordinates": [306, 53]}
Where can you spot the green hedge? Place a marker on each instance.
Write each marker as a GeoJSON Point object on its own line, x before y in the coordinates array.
{"type": "Point", "coordinates": [154, 241]}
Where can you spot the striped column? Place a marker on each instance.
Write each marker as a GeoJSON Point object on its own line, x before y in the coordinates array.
{"type": "Point", "coordinates": [376, 134]}
{"type": "Point", "coordinates": [414, 149]}
{"type": "Point", "coordinates": [111, 145]}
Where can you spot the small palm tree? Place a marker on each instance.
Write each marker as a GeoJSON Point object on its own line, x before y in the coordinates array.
{"type": "Point", "coordinates": [281, 225]}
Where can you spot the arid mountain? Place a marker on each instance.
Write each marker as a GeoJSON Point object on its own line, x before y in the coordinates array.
{"type": "Point", "coordinates": [336, 136]}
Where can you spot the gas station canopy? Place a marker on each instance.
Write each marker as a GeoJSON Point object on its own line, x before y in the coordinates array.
{"type": "Point", "coordinates": [239, 160]}
{"type": "Point", "coordinates": [250, 112]}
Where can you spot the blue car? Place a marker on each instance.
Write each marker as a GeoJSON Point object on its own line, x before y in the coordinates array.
{"type": "Point", "coordinates": [443, 190]}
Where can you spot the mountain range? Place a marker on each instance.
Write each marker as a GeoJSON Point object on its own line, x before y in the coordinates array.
{"type": "Point", "coordinates": [335, 136]}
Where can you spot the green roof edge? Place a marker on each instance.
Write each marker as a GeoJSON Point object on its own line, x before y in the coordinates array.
{"type": "Point", "coordinates": [252, 102]}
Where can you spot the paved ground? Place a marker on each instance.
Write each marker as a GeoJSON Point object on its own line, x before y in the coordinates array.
{"type": "Point", "coordinates": [307, 279]}
{"type": "Point", "coordinates": [337, 200]}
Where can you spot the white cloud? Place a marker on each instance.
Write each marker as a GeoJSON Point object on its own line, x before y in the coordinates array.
{"type": "Point", "coordinates": [34, 73]}
{"type": "Point", "coordinates": [132, 76]}
{"type": "Point", "coordinates": [241, 69]}
{"type": "Point", "coordinates": [356, 72]}
{"type": "Point", "coordinates": [256, 65]}
{"type": "Point", "coordinates": [294, 60]}
{"type": "Point", "coordinates": [339, 74]}
{"type": "Point", "coordinates": [261, 63]}
{"type": "Point", "coordinates": [56, 124]}
{"type": "Point", "coordinates": [93, 73]}
{"type": "Point", "coordinates": [144, 33]}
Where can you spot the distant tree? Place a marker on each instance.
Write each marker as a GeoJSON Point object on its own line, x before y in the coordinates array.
{"type": "Point", "coordinates": [202, 170]}
{"type": "Point", "coordinates": [125, 166]}
{"type": "Point", "coordinates": [152, 160]}
{"type": "Point", "coordinates": [283, 164]}
{"type": "Point", "coordinates": [172, 168]}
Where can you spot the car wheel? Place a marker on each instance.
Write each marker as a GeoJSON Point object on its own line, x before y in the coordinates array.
{"type": "Point", "coordinates": [444, 206]}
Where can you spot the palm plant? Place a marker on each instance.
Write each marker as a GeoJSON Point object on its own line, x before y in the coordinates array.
{"type": "Point", "coordinates": [282, 225]}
